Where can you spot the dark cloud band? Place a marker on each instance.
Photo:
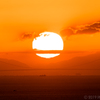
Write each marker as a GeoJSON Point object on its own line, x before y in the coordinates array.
{"type": "Point", "coordinates": [84, 29]}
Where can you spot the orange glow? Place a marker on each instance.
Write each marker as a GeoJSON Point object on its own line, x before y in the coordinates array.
{"type": "Point", "coordinates": [27, 26]}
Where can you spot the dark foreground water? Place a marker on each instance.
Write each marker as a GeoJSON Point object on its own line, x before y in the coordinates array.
{"type": "Point", "coordinates": [50, 88]}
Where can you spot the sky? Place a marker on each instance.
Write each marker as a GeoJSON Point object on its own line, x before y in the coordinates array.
{"type": "Point", "coordinates": [76, 21]}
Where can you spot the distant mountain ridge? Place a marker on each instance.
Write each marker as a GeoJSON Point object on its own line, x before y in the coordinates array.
{"type": "Point", "coordinates": [85, 62]}
{"type": "Point", "coordinates": [6, 64]}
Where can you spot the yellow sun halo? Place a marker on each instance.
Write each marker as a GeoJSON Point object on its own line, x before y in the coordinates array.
{"type": "Point", "coordinates": [48, 41]}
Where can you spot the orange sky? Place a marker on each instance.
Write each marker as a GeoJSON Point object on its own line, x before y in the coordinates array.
{"type": "Point", "coordinates": [21, 20]}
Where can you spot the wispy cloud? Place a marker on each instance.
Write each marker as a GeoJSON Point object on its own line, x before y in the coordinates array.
{"type": "Point", "coordinates": [82, 29]}
{"type": "Point", "coordinates": [28, 35]}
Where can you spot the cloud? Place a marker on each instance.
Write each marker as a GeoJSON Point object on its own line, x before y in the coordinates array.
{"type": "Point", "coordinates": [87, 31]}
{"type": "Point", "coordinates": [95, 25]}
{"type": "Point", "coordinates": [25, 35]}
{"type": "Point", "coordinates": [82, 29]}
{"type": "Point", "coordinates": [67, 32]}
{"type": "Point", "coordinates": [28, 35]}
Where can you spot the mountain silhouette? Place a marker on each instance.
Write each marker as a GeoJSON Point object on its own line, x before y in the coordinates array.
{"type": "Point", "coordinates": [6, 64]}
{"type": "Point", "coordinates": [85, 62]}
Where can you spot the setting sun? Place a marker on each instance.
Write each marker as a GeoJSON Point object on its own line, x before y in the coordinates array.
{"type": "Point", "coordinates": [48, 41]}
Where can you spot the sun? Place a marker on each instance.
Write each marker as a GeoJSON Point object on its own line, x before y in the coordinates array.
{"type": "Point", "coordinates": [48, 41]}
